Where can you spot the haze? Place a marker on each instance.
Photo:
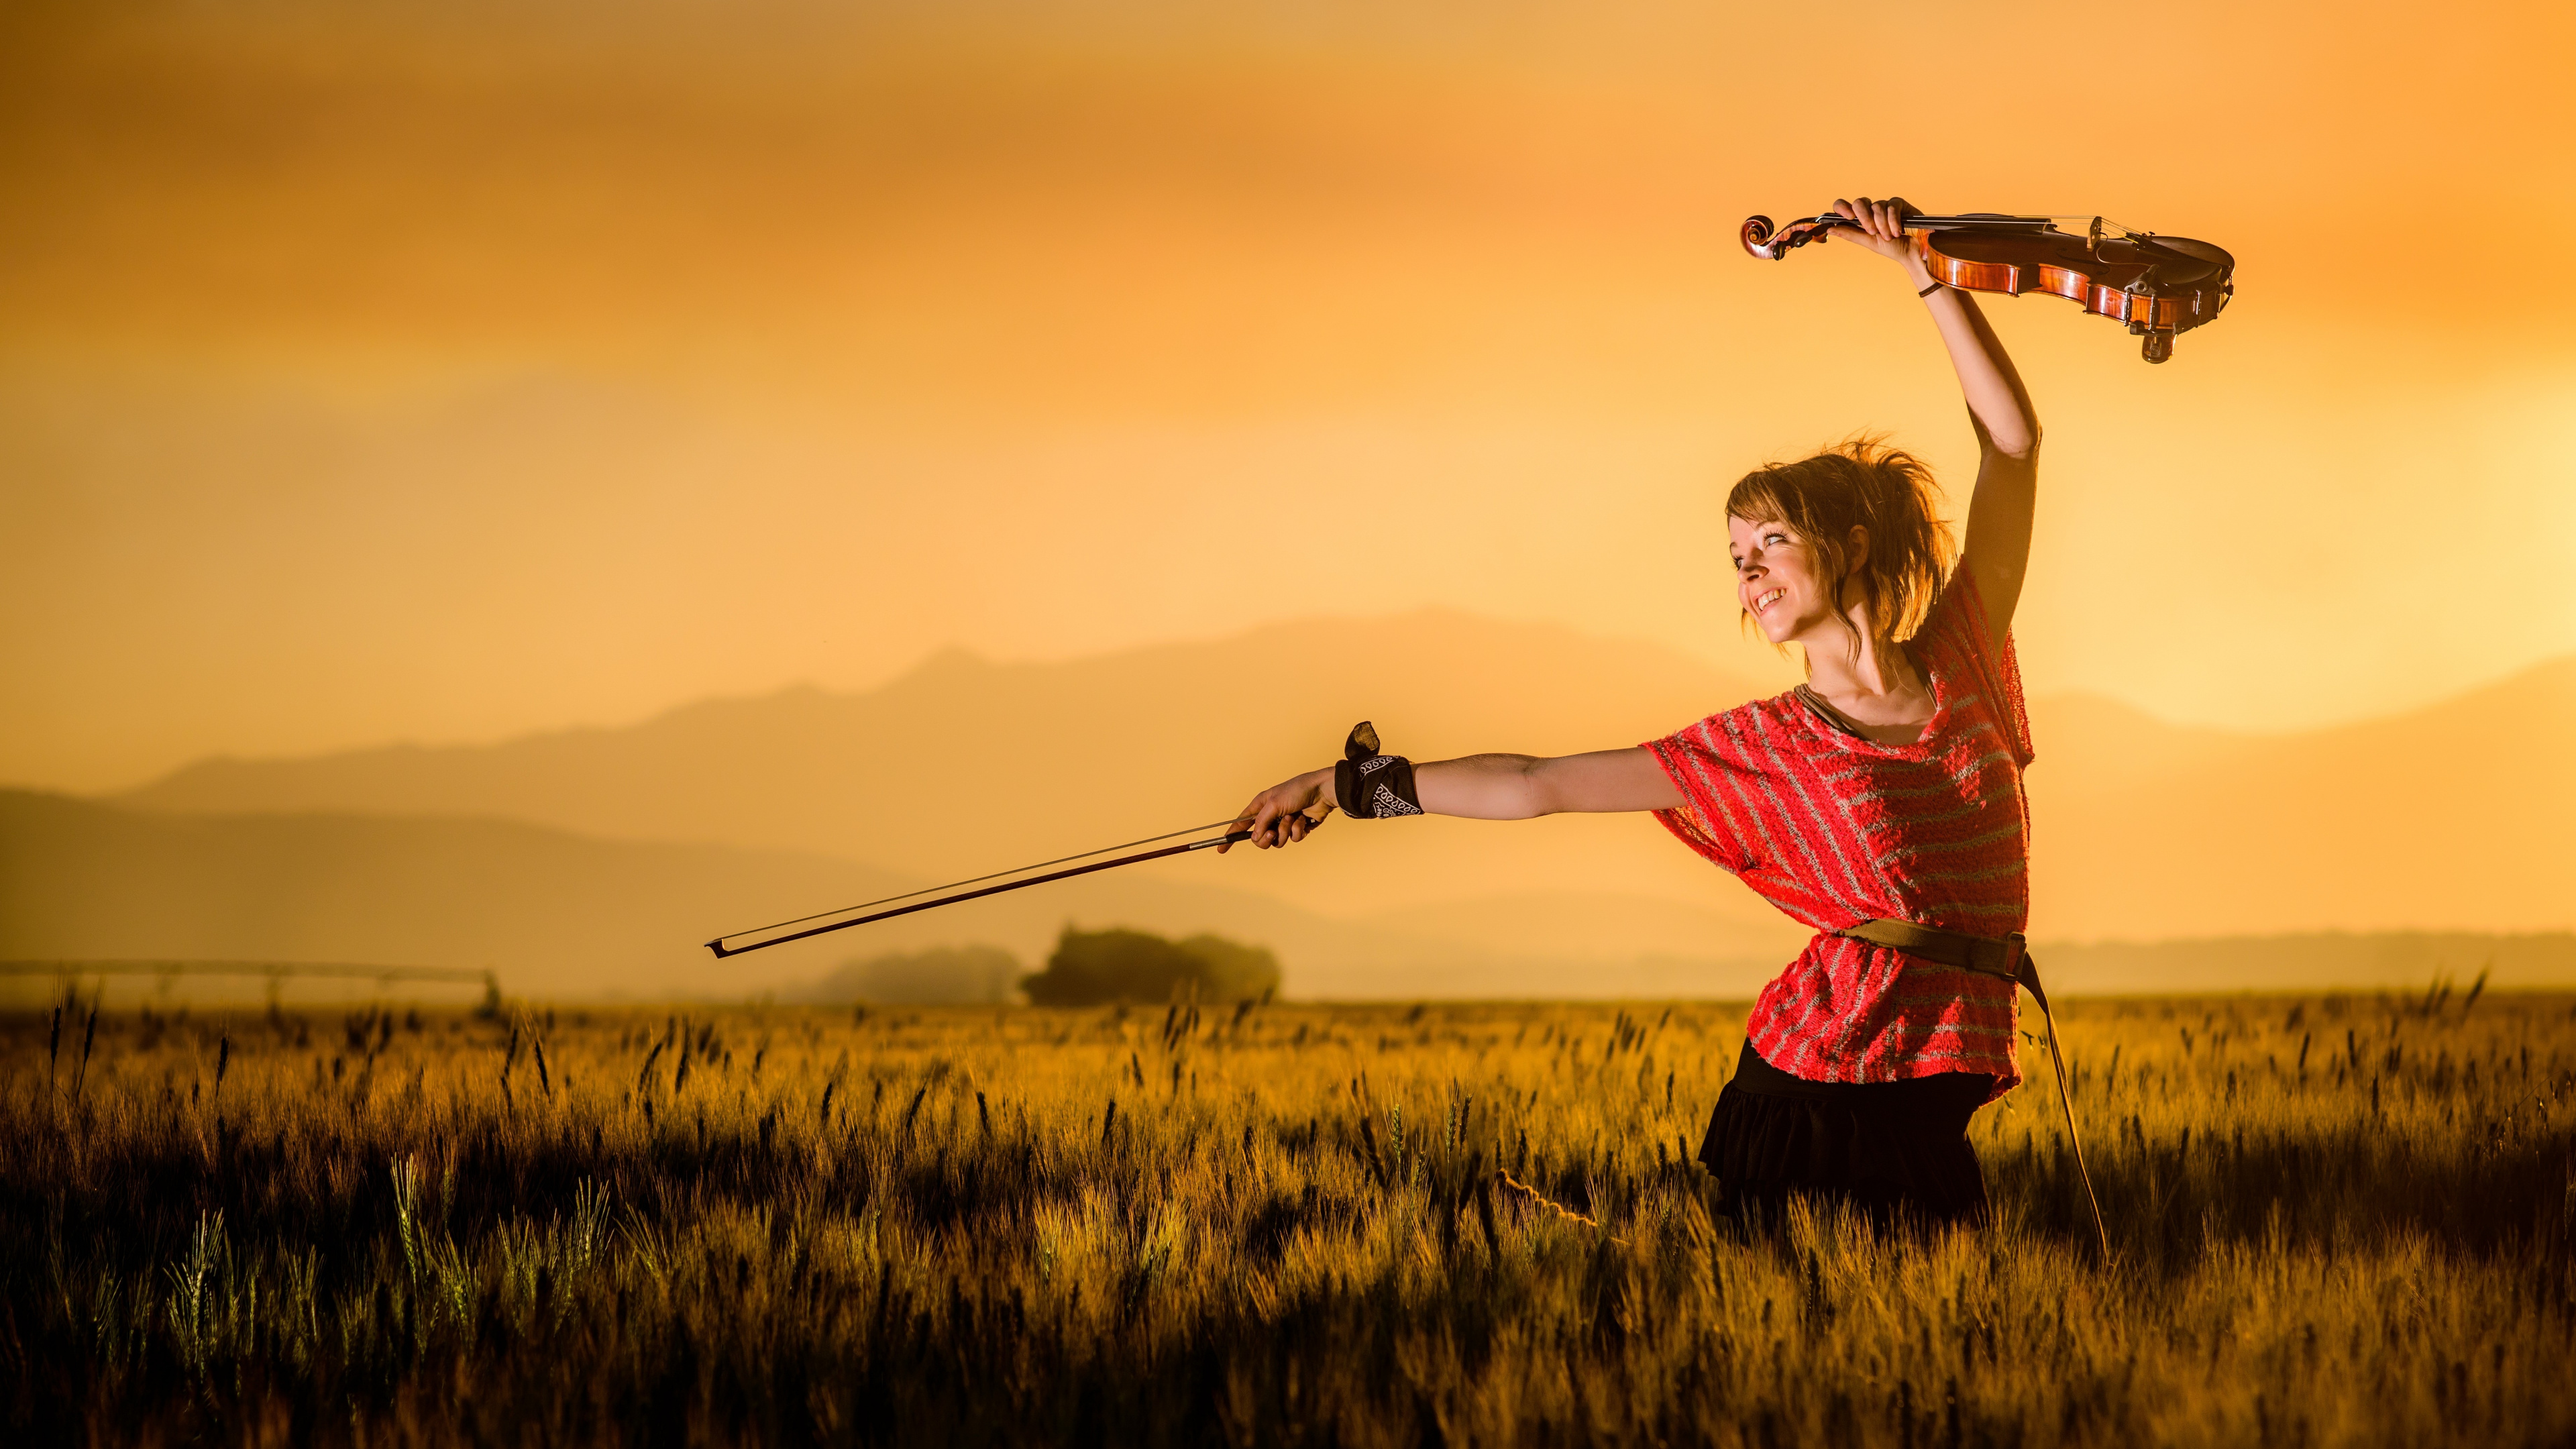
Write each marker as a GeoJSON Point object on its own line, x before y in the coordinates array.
{"type": "Point", "coordinates": [443, 372]}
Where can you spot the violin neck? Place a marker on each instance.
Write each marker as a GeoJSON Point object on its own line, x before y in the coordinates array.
{"type": "Point", "coordinates": [1947, 223]}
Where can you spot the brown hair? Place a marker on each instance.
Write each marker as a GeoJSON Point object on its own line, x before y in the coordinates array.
{"type": "Point", "coordinates": [1861, 481]}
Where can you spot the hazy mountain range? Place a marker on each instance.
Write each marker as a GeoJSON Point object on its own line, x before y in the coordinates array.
{"type": "Point", "coordinates": [558, 913]}
{"type": "Point", "coordinates": [600, 857]}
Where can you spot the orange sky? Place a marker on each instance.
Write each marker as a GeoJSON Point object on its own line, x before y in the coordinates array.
{"type": "Point", "coordinates": [444, 371]}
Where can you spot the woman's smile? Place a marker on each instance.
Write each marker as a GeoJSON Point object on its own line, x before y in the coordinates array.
{"type": "Point", "coordinates": [1773, 570]}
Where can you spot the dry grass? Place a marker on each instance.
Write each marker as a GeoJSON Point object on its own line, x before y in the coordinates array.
{"type": "Point", "coordinates": [2338, 1221]}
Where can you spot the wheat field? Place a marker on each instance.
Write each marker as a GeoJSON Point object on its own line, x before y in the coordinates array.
{"type": "Point", "coordinates": [2338, 1220]}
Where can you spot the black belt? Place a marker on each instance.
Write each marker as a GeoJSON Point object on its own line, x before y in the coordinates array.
{"type": "Point", "coordinates": [2009, 958]}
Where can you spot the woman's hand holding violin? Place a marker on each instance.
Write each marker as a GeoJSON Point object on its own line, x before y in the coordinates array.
{"type": "Point", "coordinates": [1999, 512]}
{"type": "Point", "coordinates": [1880, 226]}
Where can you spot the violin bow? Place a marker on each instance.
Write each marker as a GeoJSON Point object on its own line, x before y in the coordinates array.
{"type": "Point", "coordinates": [942, 898]}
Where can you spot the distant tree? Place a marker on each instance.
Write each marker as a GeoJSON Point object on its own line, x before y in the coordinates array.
{"type": "Point", "coordinates": [1092, 967]}
{"type": "Point", "coordinates": [1235, 971]}
{"type": "Point", "coordinates": [940, 976]}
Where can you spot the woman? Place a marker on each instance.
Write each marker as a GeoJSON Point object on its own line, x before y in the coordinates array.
{"type": "Point", "coordinates": [1882, 797]}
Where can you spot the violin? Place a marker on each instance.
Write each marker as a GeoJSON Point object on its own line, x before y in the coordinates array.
{"type": "Point", "coordinates": [2158, 285]}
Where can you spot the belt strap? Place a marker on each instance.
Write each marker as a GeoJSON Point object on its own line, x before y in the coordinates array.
{"type": "Point", "coordinates": [2009, 958]}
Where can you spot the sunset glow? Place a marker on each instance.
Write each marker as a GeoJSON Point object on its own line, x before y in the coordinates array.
{"type": "Point", "coordinates": [442, 373]}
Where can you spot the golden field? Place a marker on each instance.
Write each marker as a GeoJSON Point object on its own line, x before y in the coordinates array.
{"type": "Point", "coordinates": [2337, 1220]}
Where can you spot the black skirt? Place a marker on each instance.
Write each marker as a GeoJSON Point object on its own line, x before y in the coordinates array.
{"type": "Point", "coordinates": [1895, 1150]}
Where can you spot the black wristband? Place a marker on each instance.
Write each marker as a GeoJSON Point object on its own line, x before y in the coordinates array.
{"type": "Point", "coordinates": [1369, 785]}
{"type": "Point", "coordinates": [1377, 788]}
{"type": "Point", "coordinates": [1928, 291]}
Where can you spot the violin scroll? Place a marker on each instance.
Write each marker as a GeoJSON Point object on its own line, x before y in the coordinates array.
{"type": "Point", "coordinates": [1770, 243]}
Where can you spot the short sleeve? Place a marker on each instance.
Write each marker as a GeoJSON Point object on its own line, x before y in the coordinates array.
{"type": "Point", "coordinates": [1697, 763]}
{"type": "Point", "coordinates": [1957, 626]}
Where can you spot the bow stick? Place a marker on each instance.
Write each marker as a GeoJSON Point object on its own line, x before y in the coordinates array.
{"type": "Point", "coordinates": [722, 950]}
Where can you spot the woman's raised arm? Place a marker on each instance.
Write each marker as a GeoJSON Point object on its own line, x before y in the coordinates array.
{"type": "Point", "coordinates": [1481, 787]}
{"type": "Point", "coordinates": [1996, 551]}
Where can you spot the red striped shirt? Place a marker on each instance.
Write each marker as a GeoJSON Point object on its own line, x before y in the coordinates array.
{"type": "Point", "coordinates": [1835, 829]}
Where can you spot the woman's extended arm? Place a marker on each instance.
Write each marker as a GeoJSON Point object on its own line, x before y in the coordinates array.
{"type": "Point", "coordinates": [1997, 548]}
{"type": "Point", "coordinates": [1481, 787]}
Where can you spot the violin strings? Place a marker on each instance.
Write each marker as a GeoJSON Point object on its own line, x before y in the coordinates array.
{"type": "Point", "coordinates": [978, 879]}
{"type": "Point", "coordinates": [1936, 223]}
{"type": "Point", "coordinates": [1833, 216]}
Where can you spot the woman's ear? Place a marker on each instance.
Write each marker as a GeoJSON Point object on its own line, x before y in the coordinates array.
{"type": "Point", "coordinates": [1856, 550]}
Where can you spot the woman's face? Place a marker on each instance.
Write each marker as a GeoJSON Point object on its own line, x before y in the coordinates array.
{"type": "Point", "coordinates": [1776, 577]}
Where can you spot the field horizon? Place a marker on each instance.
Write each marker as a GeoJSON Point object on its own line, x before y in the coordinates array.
{"type": "Point", "coordinates": [2394, 964]}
